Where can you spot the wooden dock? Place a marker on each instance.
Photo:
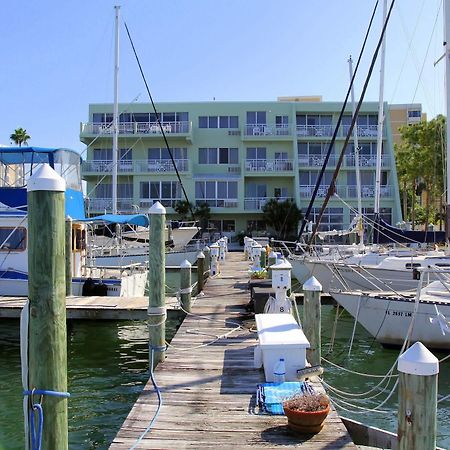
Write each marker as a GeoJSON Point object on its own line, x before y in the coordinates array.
{"type": "Point", "coordinates": [208, 391]}
{"type": "Point", "coordinates": [91, 308]}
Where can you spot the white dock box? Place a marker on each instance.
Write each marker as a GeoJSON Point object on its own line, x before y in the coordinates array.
{"type": "Point", "coordinates": [280, 337]}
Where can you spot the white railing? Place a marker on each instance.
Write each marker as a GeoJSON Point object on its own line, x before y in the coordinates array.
{"type": "Point", "coordinates": [363, 130]}
{"type": "Point", "coordinates": [105, 204]}
{"type": "Point", "coordinates": [315, 160]}
{"type": "Point", "coordinates": [218, 202]}
{"type": "Point", "coordinates": [367, 191]}
{"type": "Point", "coordinates": [256, 203]}
{"type": "Point", "coordinates": [166, 202]}
{"type": "Point", "coordinates": [315, 130]}
{"type": "Point", "coordinates": [264, 129]}
{"type": "Point", "coordinates": [365, 161]}
{"type": "Point", "coordinates": [138, 128]}
{"type": "Point", "coordinates": [268, 165]}
{"type": "Point", "coordinates": [151, 165]}
{"type": "Point", "coordinates": [306, 191]}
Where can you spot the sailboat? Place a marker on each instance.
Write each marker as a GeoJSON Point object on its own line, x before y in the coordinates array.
{"type": "Point", "coordinates": [130, 246]}
{"type": "Point", "coordinates": [392, 318]}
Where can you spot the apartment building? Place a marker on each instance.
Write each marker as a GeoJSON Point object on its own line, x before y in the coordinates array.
{"type": "Point", "coordinates": [402, 115]}
{"type": "Point", "coordinates": [235, 156]}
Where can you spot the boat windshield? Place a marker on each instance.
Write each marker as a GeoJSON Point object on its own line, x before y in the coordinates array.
{"type": "Point", "coordinates": [17, 164]}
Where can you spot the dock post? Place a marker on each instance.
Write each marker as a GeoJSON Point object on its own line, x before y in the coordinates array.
{"type": "Point", "coordinates": [47, 344]}
{"type": "Point", "coordinates": [222, 249]}
{"type": "Point", "coordinates": [263, 261]}
{"type": "Point", "coordinates": [418, 378]}
{"type": "Point", "coordinates": [68, 256]}
{"type": "Point", "coordinates": [312, 320]}
{"type": "Point", "coordinates": [215, 268]}
{"type": "Point", "coordinates": [200, 271]}
{"type": "Point", "coordinates": [185, 285]}
{"type": "Point", "coordinates": [157, 284]}
{"type": "Point", "coordinates": [207, 253]}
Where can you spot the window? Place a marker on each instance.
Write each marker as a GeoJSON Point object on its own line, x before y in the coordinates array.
{"type": "Point", "coordinates": [332, 218]}
{"type": "Point", "coordinates": [256, 117]}
{"type": "Point", "coordinates": [280, 192]}
{"type": "Point", "coordinates": [166, 192]}
{"type": "Point", "coordinates": [256, 225]}
{"type": "Point", "coordinates": [214, 193]}
{"type": "Point", "coordinates": [103, 190]}
{"type": "Point", "coordinates": [158, 153]}
{"type": "Point", "coordinates": [223, 226]}
{"type": "Point", "coordinates": [221, 155]}
{"type": "Point", "coordinates": [102, 154]}
{"type": "Point", "coordinates": [281, 121]}
{"type": "Point", "coordinates": [13, 239]}
{"type": "Point", "coordinates": [309, 178]}
{"type": "Point", "coordinates": [256, 190]}
{"type": "Point", "coordinates": [218, 122]}
{"type": "Point", "coordinates": [314, 119]}
{"type": "Point", "coordinates": [256, 153]}
{"type": "Point", "coordinates": [125, 190]}
{"type": "Point", "coordinates": [414, 113]}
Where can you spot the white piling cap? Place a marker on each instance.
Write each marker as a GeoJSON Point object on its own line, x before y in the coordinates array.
{"type": "Point", "coordinates": [281, 265]}
{"type": "Point", "coordinates": [206, 249]}
{"type": "Point", "coordinates": [214, 245]}
{"type": "Point", "coordinates": [200, 255]}
{"type": "Point", "coordinates": [272, 255]}
{"type": "Point", "coordinates": [45, 178]}
{"type": "Point", "coordinates": [418, 360]}
{"type": "Point", "coordinates": [185, 264]}
{"type": "Point", "coordinates": [157, 208]}
{"type": "Point", "coordinates": [313, 285]}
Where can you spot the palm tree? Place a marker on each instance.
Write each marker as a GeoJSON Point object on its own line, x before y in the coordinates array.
{"type": "Point", "coordinates": [20, 136]}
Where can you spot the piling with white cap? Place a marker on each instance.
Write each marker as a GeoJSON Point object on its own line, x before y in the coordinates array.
{"type": "Point", "coordinates": [185, 285]}
{"type": "Point", "coordinates": [207, 253]}
{"type": "Point", "coordinates": [157, 283]}
{"type": "Point", "coordinates": [312, 322]}
{"type": "Point", "coordinates": [222, 249]}
{"type": "Point", "coordinates": [256, 256]}
{"type": "Point", "coordinates": [68, 239]}
{"type": "Point", "coordinates": [47, 343]}
{"type": "Point", "coordinates": [215, 268]}
{"type": "Point", "coordinates": [272, 261]}
{"type": "Point", "coordinates": [200, 271]}
{"type": "Point", "coordinates": [417, 405]}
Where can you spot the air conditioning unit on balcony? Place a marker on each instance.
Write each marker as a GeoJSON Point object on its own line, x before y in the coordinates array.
{"type": "Point", "coordinates": [234, 169]}
{"type": "Point", "coordinates": [234, 132]}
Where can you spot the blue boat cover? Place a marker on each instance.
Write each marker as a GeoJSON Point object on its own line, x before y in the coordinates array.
{"type": "Point", "coordinates": [31, 155]}
{"type": "Point", "coordinates": [131, 219]}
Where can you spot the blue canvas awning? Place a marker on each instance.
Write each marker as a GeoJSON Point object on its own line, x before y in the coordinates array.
{"type": "Point", "coordinates": [131, 219]}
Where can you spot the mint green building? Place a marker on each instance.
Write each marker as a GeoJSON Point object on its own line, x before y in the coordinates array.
{"type": "Point", "coordinates": [235, 156]}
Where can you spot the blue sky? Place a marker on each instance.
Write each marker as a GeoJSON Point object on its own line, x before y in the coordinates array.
{"type": "Point", "coordinates": [58, 56]}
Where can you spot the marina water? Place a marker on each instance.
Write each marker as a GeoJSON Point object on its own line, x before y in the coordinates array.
{"type": "Point", "coordinates": [108, 367]}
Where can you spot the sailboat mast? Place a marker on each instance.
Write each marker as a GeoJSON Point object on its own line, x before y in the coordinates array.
{"type": "Point", "coordinates": [115, 124]}
{"type": "Point", "coordinates": [380, 119]}
{"type": "Point", "coordinates": [447, 112]}
{"type": "Point", "coordinates": [358, 173]}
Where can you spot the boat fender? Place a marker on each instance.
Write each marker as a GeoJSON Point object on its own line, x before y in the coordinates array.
{"type": "Point", "coordinates": [88, 287]}
{"type": "Point", "coordinates": [416, 274]}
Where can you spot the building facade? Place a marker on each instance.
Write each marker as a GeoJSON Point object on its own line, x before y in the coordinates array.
{"type": "Point", "coordinates": [235, 156]}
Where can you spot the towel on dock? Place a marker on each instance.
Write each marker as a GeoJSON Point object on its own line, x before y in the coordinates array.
{"type": "Point", "coordinates": [270, 396]}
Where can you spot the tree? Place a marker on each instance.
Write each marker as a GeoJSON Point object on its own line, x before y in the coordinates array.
{"type": "Point", "coordinates": [203, 214]}
{"type": "Point", "coordinates": [282, 217]}
{"type": "Point", "coordinates": [420, 167]}
{"type": "Point", "coordinates": [183, 209]}
{"type": "Point", "coordinates": [20, 136]}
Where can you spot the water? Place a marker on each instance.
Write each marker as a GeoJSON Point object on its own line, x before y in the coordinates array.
{"type": "Point", "coordinates": [108, 367]}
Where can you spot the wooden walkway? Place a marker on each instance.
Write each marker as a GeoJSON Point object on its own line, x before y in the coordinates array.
{"type": "Point", "coordinates": [91, 308]}
{"type": "Point", "coordinates": [208, 392]}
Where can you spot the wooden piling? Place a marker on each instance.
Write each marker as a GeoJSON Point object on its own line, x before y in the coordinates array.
{"type": "Point", "coordinates": [262, 258]}
{"type": "Point", "coordinates": [417, 406]}
{"type": "Point", "coordinates": [185, 285]}
{"type": "Point", "coordinates": [272, 260]}
{"type": "Point", "coordinates": [207, 253]}
{"type": "Point", "coordinates": [47, 345]}
{"type": "Point", "coordinates": [157, 284]}
{"type": "Point", "coordinates": [68, 256]}
{"type": "Point", "coordinates": [200, 271]}
{"type": "Point", "coordinates": [312, 319]}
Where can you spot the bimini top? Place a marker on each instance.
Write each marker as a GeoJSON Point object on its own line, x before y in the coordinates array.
{"type": "Point", "coordinates": [132, 219]}
{"type": "Point", "coordinates": [34, 155]}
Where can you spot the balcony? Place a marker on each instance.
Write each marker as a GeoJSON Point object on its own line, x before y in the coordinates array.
{"type": "Point", "coordinates": [315, 160]}
{"type": "Point", "coordinates": [218, 202]}
{"type": "Point", "coordinates": [365, 161]}
{"type": "Point", "coordinates": [146, 203]}
{"type": "Point", "coordinates": [256, 203]}
{"type": "Point", "coordinates": [124, 205]}
{"type": "Point", "coordinates": [135, 166]}
{"type": "Point", "coordinates": [364, 131]}
{"type": "Point", "coordinates": [306, 191]}
{"type": "Point", "coordinates": [268, 165]}
{"type": "Point", "coordinates": [266, 131]}
{"type": "Point", "coordinates": [149, 129]}
{"type": "Point", "coordinates": [367, 191]}
{"type": "Point", "coordinates": [315, 130]}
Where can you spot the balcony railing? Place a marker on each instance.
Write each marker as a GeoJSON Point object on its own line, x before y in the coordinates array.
{"type": "Point", "coordinates": [364, 131]}
{"type": "Point", "coordinates": [306, 191]}
{"type": "Point", "coordinates": [105, 204]}
{"type": "Point", "coordinates": [166, 202]}
{"type": "Point", "coordinates": [257, 203]}
{"type": "Point", "coordinates": [137, 128]}
{"type": "Point", "coordinates": [367, 191]}
{"type": "Point", "coordinates": [145, 166]}
{"type": "Point", "coordinates": [218, 202]}
{"type": "Point", "coordinates": [365, 161]}
{"type": "Point", "coordinates": [315, 160]}
{"type": "Point", "coordinates": [268, 165]}
{"type": "Point", "coordinates": [315, 130]}
{"type": "Point", "coordinates": [264, 129]}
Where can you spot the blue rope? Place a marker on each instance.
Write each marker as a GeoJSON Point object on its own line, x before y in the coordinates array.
{"type": "Point", "coordinates": [158, 392]}
{"type": "Point", "coordinates": [36, 434]}
{"type": "Point", "coordinates": [36, 437]}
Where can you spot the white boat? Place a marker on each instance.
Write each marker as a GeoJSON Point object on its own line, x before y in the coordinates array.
{"type": "Point", "coordinates": [16, 166]}
{"type": "Point", "coordinates": [391, 318]}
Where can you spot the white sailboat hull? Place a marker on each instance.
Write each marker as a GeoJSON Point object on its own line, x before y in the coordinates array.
{"type": "Point", "coordinates": [388, 318]}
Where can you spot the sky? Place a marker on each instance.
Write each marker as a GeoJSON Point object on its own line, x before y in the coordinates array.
{"type": "Point", "coordinates": [58, 56]}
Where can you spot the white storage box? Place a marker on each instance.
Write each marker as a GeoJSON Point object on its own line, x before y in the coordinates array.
{"type": "Point", "coordinates": [280, 337]}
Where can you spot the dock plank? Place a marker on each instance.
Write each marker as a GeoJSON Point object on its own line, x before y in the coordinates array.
{"type": "Point", "coordinates": [208, 391]}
